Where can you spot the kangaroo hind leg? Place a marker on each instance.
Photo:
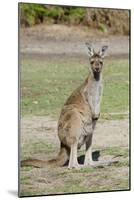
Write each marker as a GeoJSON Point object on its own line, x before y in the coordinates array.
{"type": "Point", "coordinates": [73, 162]}
{"type": "Point", "coordinates": [88, 156]}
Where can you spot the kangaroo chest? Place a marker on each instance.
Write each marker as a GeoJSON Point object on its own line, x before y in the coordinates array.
{"type": "Point", "coordinates": [94, 95]}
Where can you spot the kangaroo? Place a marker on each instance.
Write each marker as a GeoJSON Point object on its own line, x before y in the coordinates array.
{"type": "Point", "coordinates": [78, 117]}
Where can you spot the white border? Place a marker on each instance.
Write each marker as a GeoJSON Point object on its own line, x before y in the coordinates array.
{"type": "Point", "coordinates": [90, 3]}
{"type": "Point", "coordinates": [8, 97]}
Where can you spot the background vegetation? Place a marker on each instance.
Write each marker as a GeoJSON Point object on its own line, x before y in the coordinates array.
{"type": "Point", "coordinates": [106, 20]}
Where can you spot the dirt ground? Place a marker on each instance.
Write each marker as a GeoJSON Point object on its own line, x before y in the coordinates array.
{"type": "Point", "coordinates": [110, 142]}
{"type": "Point", "coordinates": [65, 40]}
{"type": "Point", "coordinates": [113, 132]}
{"type": "Point", "coordinates": [39, 134]}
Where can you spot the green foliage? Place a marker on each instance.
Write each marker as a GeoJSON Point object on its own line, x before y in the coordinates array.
{"type": "Point", "coordinates": [31, 14]}
{"type": "Point", "coordinates": [116, 21]}
{"type": "Point", "coordinates": [54, 12]}
{"type": "Point", "coordinates": [102, 27]}
{"type": "Point", "coordinates": [77, 15]}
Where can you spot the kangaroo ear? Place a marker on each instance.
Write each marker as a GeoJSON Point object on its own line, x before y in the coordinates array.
{"type": "Point", "coordinates": [90, 49]}
{"type": "Point", "coordinates": [102, 52]}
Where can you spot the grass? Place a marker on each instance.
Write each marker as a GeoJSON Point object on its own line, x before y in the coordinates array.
{"type": "Point", "coordinates": [76, 181]}
{"type": "Point", "coordinates": [116, 151]}
{"type": "Point", "coordinates": [116, 92]}
{"type": "Point", "coordinates": [24, 180]}
{"type": "Point", "coordinates": [37, 148]}
{"type": "Point", "coordinates": [87, 179]}
{"type": "Point", "coordinates": [45, 86]}
{"type": "Point", "coordinates": [28, 168]}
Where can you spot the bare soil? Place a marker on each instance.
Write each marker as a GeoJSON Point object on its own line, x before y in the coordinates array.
{"type": "Point", "coordinates": [111, 132]}
{"type": "Point", "coordinates": [65, 40]}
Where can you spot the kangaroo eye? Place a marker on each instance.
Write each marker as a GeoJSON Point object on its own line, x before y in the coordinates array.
{"type": "Point", "coordinates": [101, 62]}
{"type": "Point", "coordinates": [92, 62]}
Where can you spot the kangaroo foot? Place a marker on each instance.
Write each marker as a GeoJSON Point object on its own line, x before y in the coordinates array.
{"type": "Point", "coordinates": [75, 166]}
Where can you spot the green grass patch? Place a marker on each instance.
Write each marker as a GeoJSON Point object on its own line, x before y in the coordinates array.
{"type": "Point", "coordinates": [124, 163]}
{"type": "Point", "coordinates": [25, 180]}
{"type": "Point", "coordinates": [116, 87]}
{"type": "Point", "coordinates": [37, 148]}
{"type": "Point", "coordinates": [27, 168]}
{"type": "Point", "coordinates": [116, 151]}
{"type": "Point", "coordinates": [46, 86]}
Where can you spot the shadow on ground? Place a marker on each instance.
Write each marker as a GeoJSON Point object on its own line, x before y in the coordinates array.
{"type": "Point", "coordinates": [95, 156]}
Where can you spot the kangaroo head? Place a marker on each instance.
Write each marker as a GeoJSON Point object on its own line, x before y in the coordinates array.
{"type": "Point", "coordinates": [96, 58]}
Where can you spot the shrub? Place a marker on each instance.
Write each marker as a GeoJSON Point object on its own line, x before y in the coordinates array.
{"type": "Point", "coordinates": [105, 20]}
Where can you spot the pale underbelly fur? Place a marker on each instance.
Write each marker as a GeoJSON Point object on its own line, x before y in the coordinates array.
{"type": "Point", "coordinates": [94, 98]}
{"type": "Point", "coordinates": [86, 130]}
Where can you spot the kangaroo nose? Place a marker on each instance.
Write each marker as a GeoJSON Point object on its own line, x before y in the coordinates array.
{"type": "Point", "coordinates": [97, 69]}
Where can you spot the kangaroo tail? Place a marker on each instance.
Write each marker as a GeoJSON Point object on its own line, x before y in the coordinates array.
{"type": "Point", "coordinates": [60, 160]}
